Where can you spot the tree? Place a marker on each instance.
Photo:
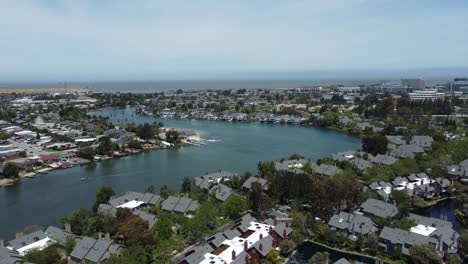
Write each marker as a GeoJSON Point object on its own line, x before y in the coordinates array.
{"type": "Point", "coordinates": [134, 231]}
{"type": "Point", "coordinates": [319, 258]}
{"type": "Point", "coordinates": [79, 220]}
{"type": "Point", "coordinates": [150, 189]}
{"type": "Point", "coordinates": [172, 136]}
{"type": "Point", "coordinates": [164, 191]}
{"type": "Point", "coordinates": [234, 207]}
{"type": "Point", "coordinates": [186, 185]}
{"type": "Point", "coordinates": [47, 255]}
{"type": "Point", "coordinates": [376, 144]}
{"type": "Point", "coordinates": [105, 145]}
{"type": "Point", "coordinates": [273, 257]}
{"type": "Point", "coordinates": [259, 202]}
{"type": "Point", "coordinates": [10, 171]}
{"type": "Point", "coordinates": [424, 254]}
{"type": "Point", "coordinates": [452, 259]}
{"type": "Point", "coordinates": [464, 242]}
{"type": "Point", "coordinates": [163, 228]}
{"type": "Point", "coordinates": [103, 196]}
{"type": "Point", "coordinates": [403, 202]}
{"type": "Point", "coordinates": [287, 247]}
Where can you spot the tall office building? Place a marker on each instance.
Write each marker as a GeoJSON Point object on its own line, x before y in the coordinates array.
{"type": "Point", "coordinates": [416, 83]}
{"type": "Point", "coordinates": [459, 85]}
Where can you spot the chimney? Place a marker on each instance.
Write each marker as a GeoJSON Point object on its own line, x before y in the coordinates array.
{"type": "Point", "coordinates": [273, 243]}
{"type": "Point", "coordinates": [425, 189]}
{"type": "Point", "coordinates": [284, 233]}
{"type": "Point", "coordinates": [261, 236]}
{"type": "Point", "coordinates": [19, 234]}
{"type": "Point", "coordinates": [246, 245]}
{"type": "Point", "coordinates": [233, 254]}
{"type": "Point", "coordinates": [270, 230]}
{"type": "Point", "coordinates": [287, 224]}
{"type": "Point", "coordinates": [275, 222]}
{"type": "Point", "coordinates": [107, 235]}
{"type": "Point", "coordinates": [414, 190]}
{"type": "Point", "coordinates": [68, 227]}
{"type": "Point", "coordinates": [2, 243]}
{"type": "Point", "coordinates": [261, 247]}
{"type": "Point", "coordinates": [422, 182]}
{"type": "Point", "coordinates": [99, 235]}
{"type": "Point", "coordinates": [430, 183]}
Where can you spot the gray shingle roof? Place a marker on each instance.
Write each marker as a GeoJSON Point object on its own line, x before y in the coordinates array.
{"type": "Point", "coordinates": [179, 205]}
{"type": "Point", "coordinates": [404, 238]}
{"type": "Point", "coordinates": [353, 223]}
{"type": "Point", "coordinates": [150, 218]}
{"type": "Point", "coordinates": [221, 192]}
{"type": "Point", "coordinates": [8, 257]}
{"type": "Point", "coordinates": [379, 208]}
{"type": "Point", "coordinates": [82, 248]}
{"type": "Point", "coordinates": [94, 250]}
{"type": "Point", "coordinates": [58, 234]}
{"type": "Point", "coordinates": [148, 198]}
{"type": "Point", "coordinates": [170, 203]}
{"type": "Point", "coordinates": [327, 170]}
{"type": "Point", "coordinates": [27, 239]}
{"type": "Point", "coordinates": [382, 159]}
{"type": "Point", "coordinates": [98, 250]}
{"type": "Point", "coordinates": [248, 183]}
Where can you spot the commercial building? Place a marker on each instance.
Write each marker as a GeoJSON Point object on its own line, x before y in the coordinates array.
{"type": "Point", "coordinates": [459, 85]}
{"type": "Point", "coordinates": [426, 96]}
{"type": "Point", "coordinates": [415, 83]}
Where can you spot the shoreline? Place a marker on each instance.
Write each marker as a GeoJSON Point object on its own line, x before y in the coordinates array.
{"type": "Point", "coordinates": [43, 90]}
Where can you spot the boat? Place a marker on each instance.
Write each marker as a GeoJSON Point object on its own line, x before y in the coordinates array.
{"type": "Point", "coordinates": [84, 179]}
{"type": "Point", "coordinates": [462, 216]}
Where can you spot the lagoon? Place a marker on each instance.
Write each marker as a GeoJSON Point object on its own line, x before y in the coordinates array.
{"type": "Point", "coordinates": [42, 199]}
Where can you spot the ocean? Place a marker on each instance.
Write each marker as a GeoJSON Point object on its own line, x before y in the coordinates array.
{"type": "Point", "coordinates": [157, 86]}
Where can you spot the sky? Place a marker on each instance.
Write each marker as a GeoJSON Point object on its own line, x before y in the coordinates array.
{"type": "Point", "coordinates": [143, 39]}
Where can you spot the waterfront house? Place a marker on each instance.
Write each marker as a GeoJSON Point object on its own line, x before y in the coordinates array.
{"type": "Point", "coordinates": [134, 200]}
{"type": "Point", "coordinates": [441, 230]}
{"type": "Point", "coordinates": [247, 186]}
{"type": "Point", "coordinates": [8, 256]}
{"type": "Point", "coordinates": [181, 205]}
{"type": "Point", "coordinates": [209, 179]}
{"type": "Point", "coordinates": [24, 243]}
{"type": "Point", "coordinates": [291, 165]}
{"type": "Point", "coordinates": [392, 238]}
{"type": "Point", "coordinates": [459, 171]}
{"type": "Point", "coordinates": [112, 211]}
{"type": "Point", "coordinates": [373, 207]}
{"type": "Point", "coordinates": [221, 192]}
{"type": "Point", "coordinates": [352, 224]}
{"type": "Point", "coordinates": [327, 170]}
{"type": "Point", "coordinates": [88, 249]}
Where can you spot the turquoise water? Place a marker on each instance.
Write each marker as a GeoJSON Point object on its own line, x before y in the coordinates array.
{"type": "Point", "coordinates": [42, 199]}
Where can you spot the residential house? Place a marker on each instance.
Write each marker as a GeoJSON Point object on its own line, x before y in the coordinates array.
{"type": "Point", "coordinates": [373, 207]}
{"type": "Point", "coordinates": [181, 205]}
{"type": "Point", "coordinates": [327, 170]}
{"type": "Point", "coordinates": [8, 256]}
{"type": "Point", "coordinates": [88, 249]}
{"type": "Point", "coordinates": [392, 238]}
{"type": "Point", "coordinates": [422, 141]}
{"type": "Point", "coordinates": [209, 179]}
{"type": "Point", "coordinates": [352, 224]}
{"type": "Point", "coordinates": [247, 186]}
{"type": "Point", "coordinates": [221, 192]}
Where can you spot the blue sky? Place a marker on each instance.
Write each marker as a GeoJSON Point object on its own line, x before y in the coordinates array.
{"type": "Point", "coordinates": [142, 39]}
